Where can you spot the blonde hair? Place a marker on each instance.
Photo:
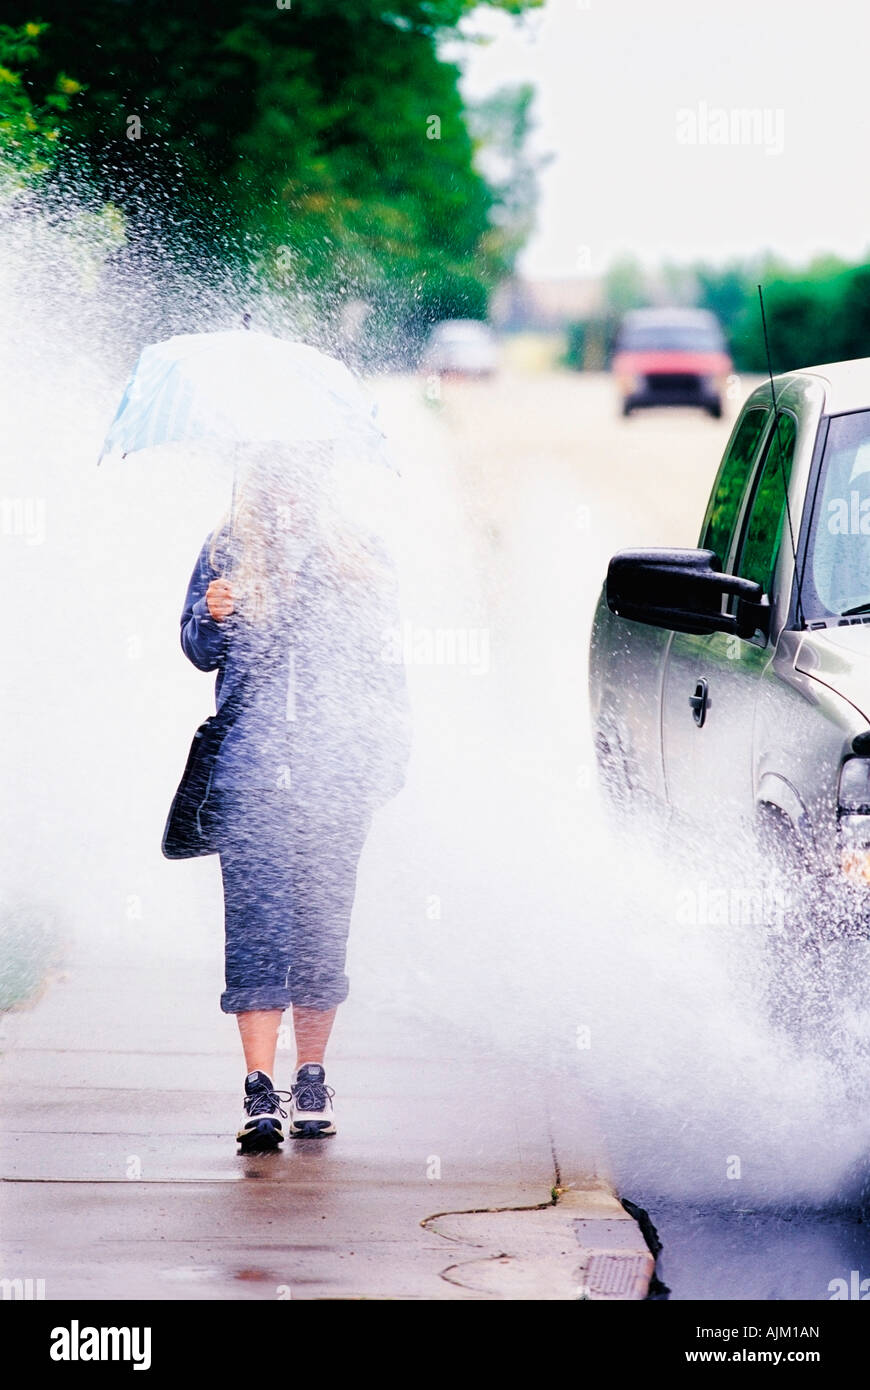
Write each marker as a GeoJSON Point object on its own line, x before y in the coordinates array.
{"type": "Point", "coordinates": [249, 545]}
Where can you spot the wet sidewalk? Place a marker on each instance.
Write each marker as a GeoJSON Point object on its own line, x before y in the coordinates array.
{"type": "Point", "coordinates": [121, 1093]}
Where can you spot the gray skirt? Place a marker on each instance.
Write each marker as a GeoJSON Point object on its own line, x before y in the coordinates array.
{"type": "Point", "coordinates": [289, 878]}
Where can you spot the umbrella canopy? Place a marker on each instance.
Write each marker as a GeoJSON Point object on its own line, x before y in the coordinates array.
{"type": "Point", "coordinates": [239, 387]}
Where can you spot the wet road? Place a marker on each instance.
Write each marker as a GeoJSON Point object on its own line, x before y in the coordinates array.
{"type": "Point", "coordinates": [711, 1254]}
{"type": "Point", "coordinates": [555, 481]}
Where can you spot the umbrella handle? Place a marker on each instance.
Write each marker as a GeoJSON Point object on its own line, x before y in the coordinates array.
{"type": "Point", "coordinates": [232, 522]}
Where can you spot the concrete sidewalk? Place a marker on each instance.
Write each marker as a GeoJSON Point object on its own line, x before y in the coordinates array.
{"type": "Point", "coordinates": [121, 1092]}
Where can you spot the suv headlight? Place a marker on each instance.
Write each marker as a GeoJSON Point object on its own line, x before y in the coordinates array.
{"type": "Point", "coordinates": [854, 819]}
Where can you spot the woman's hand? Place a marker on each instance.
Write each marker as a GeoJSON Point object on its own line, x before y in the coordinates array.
{"type": "Point", "coordinates": [219, 599]}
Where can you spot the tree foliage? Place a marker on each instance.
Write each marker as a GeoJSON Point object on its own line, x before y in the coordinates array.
{"type": "Point", "coordinates": [819, 313]}
{"type": "Point", "coordinates": [29, 129]}
{"type": "Point", "coordinates": [815, 313]}
{"type": "Point", "coordinates": [327, 139]}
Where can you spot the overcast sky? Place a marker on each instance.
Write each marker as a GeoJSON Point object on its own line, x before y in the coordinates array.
{"type": "Point", "coordinates": [639, 103]}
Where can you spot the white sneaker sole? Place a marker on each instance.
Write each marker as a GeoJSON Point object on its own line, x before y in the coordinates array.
{"type": "Point", "coordinates": [260, 1135]}
{"type": "Point", "coordinates": [313, 1126]}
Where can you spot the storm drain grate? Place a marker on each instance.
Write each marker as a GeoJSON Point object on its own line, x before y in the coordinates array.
{"type": "Point", "coordinates": [615, 1274]}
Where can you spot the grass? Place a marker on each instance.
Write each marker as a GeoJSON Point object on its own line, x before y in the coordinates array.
{"type": "Point", "coordinates": [30, 944]}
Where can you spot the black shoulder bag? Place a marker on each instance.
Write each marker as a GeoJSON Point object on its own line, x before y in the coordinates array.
{"type": "Point", "coordinates": [192, 827]}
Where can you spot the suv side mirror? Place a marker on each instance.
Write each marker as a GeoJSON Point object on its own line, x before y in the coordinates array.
{"type": "Point", "coordinates": [682, 590]}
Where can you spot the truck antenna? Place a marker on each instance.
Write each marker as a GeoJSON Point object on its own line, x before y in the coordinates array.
{"type": "Point", "coordinates": [776, 420]}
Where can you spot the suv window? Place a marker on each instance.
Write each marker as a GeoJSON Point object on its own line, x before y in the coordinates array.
{"type": "Point", "coordinates": [762, 533]}
{"type": "Point", "coordinates": [838, 573]}
{"type": "Point", "coordinates": [721, 518]}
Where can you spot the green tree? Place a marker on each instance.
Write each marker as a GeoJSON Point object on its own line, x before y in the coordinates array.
{"type": "Point", "coordinates": [815, 313]}
{"type": "Point", "coordinates": [325, 142]}
{"type": "Point", "coordinates": [626, 285]}
{"type": "Point", "coordinates": [29, 130]}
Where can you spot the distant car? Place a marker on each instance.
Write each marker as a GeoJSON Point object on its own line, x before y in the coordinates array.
{"type": "Point", "coordinates": [671, 357]}
{"type": "Point", "coordinates": [465, 347]}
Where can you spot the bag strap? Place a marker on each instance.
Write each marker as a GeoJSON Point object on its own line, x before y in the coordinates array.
{"type": "Point", "coordinates": [226, 716]}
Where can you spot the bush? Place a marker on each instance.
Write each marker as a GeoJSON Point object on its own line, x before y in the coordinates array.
{"type": "Point", "coordinates": [30, 943]}
{"type": "Point", "coordinates": [590, 343]}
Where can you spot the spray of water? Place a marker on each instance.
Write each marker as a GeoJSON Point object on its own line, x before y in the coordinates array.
{"type": "Point", "coordinates": [493, 892]}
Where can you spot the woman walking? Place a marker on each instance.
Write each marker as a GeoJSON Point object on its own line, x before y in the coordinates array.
{"type": "Point", "coordinates": [294, 615]}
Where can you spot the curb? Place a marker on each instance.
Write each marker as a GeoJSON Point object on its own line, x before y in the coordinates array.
{"type": "Point", "coordinates": [583, 1246]}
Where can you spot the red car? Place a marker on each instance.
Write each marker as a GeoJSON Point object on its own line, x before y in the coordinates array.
{"type": "Point", "coordinates": [671, 357]}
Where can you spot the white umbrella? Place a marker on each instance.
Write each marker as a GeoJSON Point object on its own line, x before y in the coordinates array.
{"type": "Point", "coordinates": [238, 392]}
{"type": "Point", "coordinates": [240, 387]}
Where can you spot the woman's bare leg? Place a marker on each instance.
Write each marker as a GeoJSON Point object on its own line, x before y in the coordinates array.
{"type": "Point", "coordinates": [259, 1033]}
{"type": "Point", "coordinates": [312, 1028]}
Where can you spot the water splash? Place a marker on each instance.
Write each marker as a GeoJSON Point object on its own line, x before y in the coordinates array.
{"type": "Point", "coordinates": [492, 894]}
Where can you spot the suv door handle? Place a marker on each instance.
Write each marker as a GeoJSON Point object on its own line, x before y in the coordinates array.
{"type": "Point", "coordinates": [699, 702]}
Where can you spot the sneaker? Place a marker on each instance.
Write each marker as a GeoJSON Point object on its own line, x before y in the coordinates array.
{"type": "Point", "coordinates": [311, 1112]}
{"type": "Point", "coordinates": [261, 1127]}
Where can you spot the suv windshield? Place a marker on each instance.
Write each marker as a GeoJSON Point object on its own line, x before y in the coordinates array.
{"type": "Point", "coordinates": [838, 565]}
{"type": "Point", "coordinates": [669, 338]}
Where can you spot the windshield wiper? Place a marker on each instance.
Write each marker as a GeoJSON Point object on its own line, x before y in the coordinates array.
{"type": "Point", "coordinates": [853, 612]}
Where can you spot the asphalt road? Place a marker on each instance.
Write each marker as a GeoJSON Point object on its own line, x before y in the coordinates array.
{"type": "Point", "coordinates": [555, 481]}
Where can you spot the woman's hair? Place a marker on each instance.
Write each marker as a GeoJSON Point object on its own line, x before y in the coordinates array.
{"type": "Point", "coordinates": [282, 494]}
